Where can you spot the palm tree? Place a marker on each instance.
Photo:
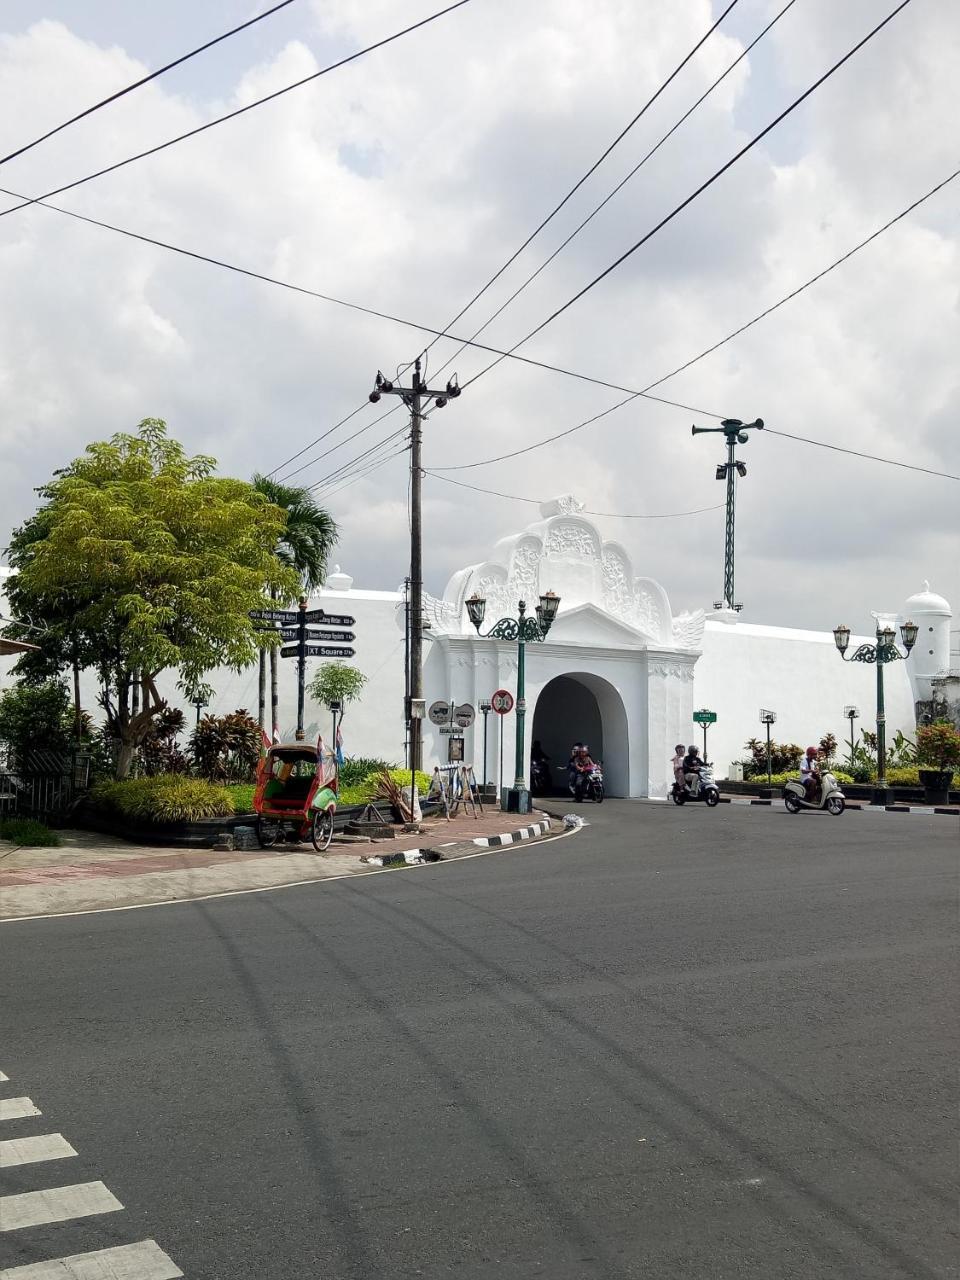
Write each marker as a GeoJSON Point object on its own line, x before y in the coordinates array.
{"type": "Point", "coordinates": [305, 544]}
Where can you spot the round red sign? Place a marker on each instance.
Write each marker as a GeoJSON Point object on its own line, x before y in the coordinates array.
{"type": "Point", "coordinates": [502, 702]}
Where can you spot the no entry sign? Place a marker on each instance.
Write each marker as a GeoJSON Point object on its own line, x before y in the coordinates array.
{"type": "Point", "coordinates": [502, 702]}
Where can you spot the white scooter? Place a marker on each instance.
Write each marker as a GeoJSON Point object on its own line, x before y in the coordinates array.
{"type": "Point", "coordinates": [831, 797]}
{"type": "Point", "coordinates": [704, 789]}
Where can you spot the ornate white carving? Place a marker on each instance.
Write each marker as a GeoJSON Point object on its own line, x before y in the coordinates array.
{"type": "Point", "coordinates": [617, 589]}
{"type": "Point", "coordinates": [525, 569]}
{"type": "Point", "coordinates": [442, 615]}
{"type": "Point", "coordinates": [671, 671]}
{"type": "Point", "coordinates": [688, 629]}
{"type": "Point", "coordinates": [569, 539]}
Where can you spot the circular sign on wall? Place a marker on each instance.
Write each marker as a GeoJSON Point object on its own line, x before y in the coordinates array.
{"type": "Point", "coordinates": [502, 702]}
{"type": "Point", "coordinates": [439, 712]}
{"type": "Point", "coordinates": [464, 715]}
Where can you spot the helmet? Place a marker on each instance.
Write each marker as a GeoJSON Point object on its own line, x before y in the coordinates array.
{"type": "Point", "coordinates": [679, 747]}
{"type": "Point", "coordinates": [584, 747]}
{"type": "Point", "coordinates": [693, 749]}
{"type": "Point", "coordinates": [812, 751]}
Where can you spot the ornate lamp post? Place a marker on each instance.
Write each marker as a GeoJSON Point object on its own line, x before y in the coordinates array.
{"type": "Point", "coordinates": [523, 630]}
{"type": "Point", "coordinates": [884, 651]}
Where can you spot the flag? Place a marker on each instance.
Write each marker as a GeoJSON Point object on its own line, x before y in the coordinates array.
{"type": "Point", "coordinates": [276, 733]}
{"type": "Point", "coordinates": [264, 743]}
{"type": "Point", "coordinates": [339, 746]}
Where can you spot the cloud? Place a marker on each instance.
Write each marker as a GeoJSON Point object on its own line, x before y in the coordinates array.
{"type": "Point", "coordinates": [405, 179]}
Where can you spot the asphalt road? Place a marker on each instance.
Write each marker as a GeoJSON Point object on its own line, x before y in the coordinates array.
{"type": "Point", "coordinates": [680, 1044]}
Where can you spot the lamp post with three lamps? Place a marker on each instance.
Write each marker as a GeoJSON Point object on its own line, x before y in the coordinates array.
{"type": "Point", "coordinates": [885, 650]}
{"type": "Point", "coordinates": [523, 629]}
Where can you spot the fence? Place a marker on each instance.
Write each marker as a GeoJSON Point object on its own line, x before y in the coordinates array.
{"type": "Point", "coordinates": [46, 786]}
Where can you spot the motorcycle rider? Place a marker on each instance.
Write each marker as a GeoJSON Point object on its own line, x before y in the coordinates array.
{"type": "Point", "coordinates": [692, 764]}
{"type": "Point", "coordinates": [583, 767]}
{"type": "Point", "coordinates": [539, 767]}
{"type": "Point", "coordinates": [810, 775]}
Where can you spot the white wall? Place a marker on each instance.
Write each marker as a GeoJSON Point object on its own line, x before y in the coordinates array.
{"type": "Point", "coordinates": [797, 674]}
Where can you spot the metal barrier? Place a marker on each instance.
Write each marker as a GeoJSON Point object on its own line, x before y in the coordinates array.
{"type": "Point", "coordinates": [46, 787]}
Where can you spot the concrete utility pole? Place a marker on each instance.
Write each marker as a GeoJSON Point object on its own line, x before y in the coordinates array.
{"type": "Point", "coordinates": [415, 397]}
{"type": "Point", "coordinates": [734, 432]}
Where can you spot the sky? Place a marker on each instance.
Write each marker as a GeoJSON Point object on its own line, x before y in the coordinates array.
{"type": "Point", "coordinates": [403, 181]}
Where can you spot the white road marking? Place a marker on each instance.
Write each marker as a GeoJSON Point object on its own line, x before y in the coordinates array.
{"type": "Point", "coordinates": [142, 1261]}
{"type": "Point", "coordinates": [46, 1146]}
{"type": "Point", "coordinates": [17, 1108]}
{"type": "Point", "coordinates": [3, 1077]}
{"type": "Point", "coordinates": [59, 1204]}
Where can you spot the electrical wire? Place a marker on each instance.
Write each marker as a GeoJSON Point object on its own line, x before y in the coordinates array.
{"type": "Point", "coordinates": [614, 515]}
{"type": "Point", "coordinates": [367, 472]}
{"type": "Point", "coordinates": [593, 168]}
{"type": "Point", "coordinates": [704, 186]}
{"type": "Point", "coordinates": [730, 336]}
{"type": "Point", "coordinates": [231, 115]}
{"type": "Point", "coordinates": [81, 115]}
{"type": "Point", "coordinates": [619, 187]}
{"type": "Point", "coordinates": [872, 457]}
{"type": "Point", "coordinates": [347, 439]}
{"type": "Point", "coordinates": [340, 302]}
{"type": "Point", "coordinates": [336, 426]}
{"type": "Point", "coordinates": [361, 458]}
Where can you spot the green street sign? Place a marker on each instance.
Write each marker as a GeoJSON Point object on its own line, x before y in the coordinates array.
{"type": "Point", "coordinates": [705, 717]}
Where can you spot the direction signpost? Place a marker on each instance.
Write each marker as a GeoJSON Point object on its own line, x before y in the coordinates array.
{"type": "Point", "coordinates": [293, 625]}
{"type": "Point", "coordinates": [705, 718]}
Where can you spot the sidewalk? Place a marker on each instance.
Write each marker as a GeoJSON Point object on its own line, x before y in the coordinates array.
{"type": "Point", "coordinates": [90, 872]}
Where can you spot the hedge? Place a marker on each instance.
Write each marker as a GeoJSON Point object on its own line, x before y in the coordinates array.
{"type": "Point", "coordinates": [362, 792]}
{"type": "Point", "coordinates": [168, 797]}
{"type": "Point", "coordinates": [27, 832]}
{"type": "Point", "coordinates": [778, 779]}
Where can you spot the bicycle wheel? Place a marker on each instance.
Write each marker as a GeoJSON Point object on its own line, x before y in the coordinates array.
{"type": "Point", "coordinates": [322, 830]}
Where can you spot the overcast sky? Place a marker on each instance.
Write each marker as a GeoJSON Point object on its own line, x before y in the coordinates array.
{"type": "Point", "coordinates": [403, 181]}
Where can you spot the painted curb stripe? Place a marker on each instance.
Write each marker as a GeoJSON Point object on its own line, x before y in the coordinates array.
{"type": "Point", "coordinates": [512, 837]}
{"type": "Point", "coordinates": [3, 1078]}
{"type": "Point", "coordinates": [17, 1108]}
{"type": "Point", "coordinates": [46, 1146]}
{"type": "Point", "coordinates": [142, 1261]}
{"type": "Point", "coordinates": [59, 1204]}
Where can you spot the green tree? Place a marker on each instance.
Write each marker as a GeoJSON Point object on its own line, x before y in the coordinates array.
{"type": "Point", "coordinates": [161, 562]}
{"type": "Point", "coordinates": [334, 682]}
{"type": "Point", "coordinates": [35, 715]}
{"type": "Point", "coordinates": [308, 537]}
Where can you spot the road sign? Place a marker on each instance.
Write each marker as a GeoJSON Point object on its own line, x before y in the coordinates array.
{"type": "Point", "coordinates": [705, 717]}
{"type": "Point", "coordinates": [453, 729]}
{"type": "Point", "coordinates": [317, 651]}
{"type": "Point", "coordinates": [320, 637]}
{"type": "Point", "coordinates": [289, 617]}
{"type": "Point", "coordinates": [464, 715]}
{"type": "Point", "coordinates": [502, 702]}
{"type": "Point", "coordinates": [439, 712]}
{"type": "Point", "coordinates": [329, 619]}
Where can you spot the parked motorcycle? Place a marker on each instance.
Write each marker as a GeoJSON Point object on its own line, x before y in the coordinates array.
{"type": "Point", "coordinates": [830, 798]}
{"type": "Point", "coordinates": [705, 788]}
{"type": "Point", "coordinates": [541, 783]}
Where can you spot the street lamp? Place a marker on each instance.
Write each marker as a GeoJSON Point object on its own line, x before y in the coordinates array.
{"type": "Point", "coordinates": [852, 713]}
{"type": "Point", "coordinates": [885, 650]}
{"type": "Point", "coordinates": [524, 630]}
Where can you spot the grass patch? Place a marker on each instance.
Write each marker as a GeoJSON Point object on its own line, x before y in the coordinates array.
{"type": "Point", "coordinates": [165, 798]}
{"type": "Point", "coordinates": [28, 832]}
{"type": "Point", "coordinates": [241, 793]}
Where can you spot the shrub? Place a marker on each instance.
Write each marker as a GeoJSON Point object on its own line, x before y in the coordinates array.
{"type": "Point", "coordinates": [783, 755]}
{"type": "Point", "coordinates": [226, 748]}
{"type": "Point", "coordinates": [901, 776]}
{"type": "Point", "coordinates": [160, 750]}
{"type": "Point", "coordinates": [356, 769]}
{"type": "Point", "coordinates": [938, 746]}
{"type": "Point", "coordinates": [363, 792]}
{"type": "Point", "coordinates": [164, 798]}
{"type": "Point", "coordinates": [35, 715]}
{"type": "Point", "coordinates": [27, 832]}
{"type": "Point", "coordinates": [242, 795]}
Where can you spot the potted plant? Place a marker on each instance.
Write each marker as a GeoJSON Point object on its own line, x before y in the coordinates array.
{"type": "Point", "coordinates": [938, 754]}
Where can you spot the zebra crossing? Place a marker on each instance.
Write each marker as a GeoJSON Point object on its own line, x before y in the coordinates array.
{"type": "Point", "coordinates": [58, 1203]}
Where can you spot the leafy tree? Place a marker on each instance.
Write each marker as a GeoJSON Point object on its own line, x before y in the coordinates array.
{"type": "Point", "coordinates": [305, 543]}
{"type": "Point", "coordinates": [938, 746]}
{"type": "Point", "coordinates": [334, 682]}
{"type": "Point", "coordinates": [35, 715]}
{"type": "Point", "coordinates": [160, 562]}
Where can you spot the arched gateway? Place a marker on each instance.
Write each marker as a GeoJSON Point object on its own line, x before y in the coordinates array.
{"type": "Point", "coordinates": [583, 707]}
{"type": "Point", "coordinates": [614, 641]}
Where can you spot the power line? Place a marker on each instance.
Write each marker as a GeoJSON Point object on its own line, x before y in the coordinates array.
{"type": "Point", "coordinates": [340, 444]}
{"type": "Point", "coordinates": [336, 426]}
{"type": "Point", "coordinates": [340, 302]}
{"type": "Point", "coordinates": [191, 133]}
{"type": "Point", "coordinates": [593, 168]}
{"type": "Point", "coordinates": [698, 192]}
{"type": "Point", "coordinates": [872, 457]}
{"type": "Point", "coordinates": [730, 336]}
{"type": "Point", "coordinates": [144, 80]}
{"type": "Point", "coordinates": [614, 515]}
{"type": "Point", "coordinates": [340, 471]}
{"type": "Point", "coordinates": [374, 465]}
{"type": "Point", "coordinates": [619, 187]}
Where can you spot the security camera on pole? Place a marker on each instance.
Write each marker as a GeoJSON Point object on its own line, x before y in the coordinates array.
{"type": "Point", "coordinates": [414, 398]}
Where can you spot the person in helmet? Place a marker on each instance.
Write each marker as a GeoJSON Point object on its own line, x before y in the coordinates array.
{"type": "Point", "coordinates": [692, 764]}
{"type": "Point", "coordinates": [583, 766]}
{"type": "Point", "coordinates": [810, 774]}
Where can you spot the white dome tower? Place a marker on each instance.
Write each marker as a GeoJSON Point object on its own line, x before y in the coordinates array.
{"type": "Point", "coordinates": [931, 653]}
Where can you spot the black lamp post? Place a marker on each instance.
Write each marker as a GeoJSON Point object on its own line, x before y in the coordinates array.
{"type": "Point", "coordinates": [885, 650]}
{"type": "Point", "coordinates": [523, 630]}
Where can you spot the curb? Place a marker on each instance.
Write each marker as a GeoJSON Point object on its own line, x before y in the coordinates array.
{"type": "Point", "coordinates": [514, 837]}
{"type": "Point", "coordinates": [952, 811]}
{"type": "Point", "coordinates": [458, 848]}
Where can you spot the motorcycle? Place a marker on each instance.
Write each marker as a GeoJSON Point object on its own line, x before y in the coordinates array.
{"type": "Point", "coordinates": [541, 783]}
{"type": "Point", "coordinates": [706, 789]}
{"type": "Point", "coordinates": [592, 788]}
{"type": "Point", "coordinates": [830, 798]}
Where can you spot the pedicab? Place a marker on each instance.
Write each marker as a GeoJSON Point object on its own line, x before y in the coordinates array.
{"type": "Point", "coordinates": [296, 792]}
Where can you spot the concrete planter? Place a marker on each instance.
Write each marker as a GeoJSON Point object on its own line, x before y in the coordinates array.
{"type": "Point", "coordinates": [936, 785]}
{"type": "Point", "coordinates": [203, 833]}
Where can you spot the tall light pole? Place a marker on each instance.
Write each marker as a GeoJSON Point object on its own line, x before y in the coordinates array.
{"type": "Point", "coordinates": [415, 397]}
{"type": "Point", "coordinates": [523, 630]}
{"type": "Point", "coordinates": [884, 651]}
{"type": "Point", "coordinates": [734, 432]}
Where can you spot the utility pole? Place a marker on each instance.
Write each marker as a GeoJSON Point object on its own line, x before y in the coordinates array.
{"type": "Point", "coordinates": [734, 432]}
{"type": "Point", "coordinates": [415, 397]}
